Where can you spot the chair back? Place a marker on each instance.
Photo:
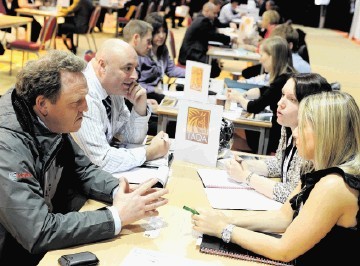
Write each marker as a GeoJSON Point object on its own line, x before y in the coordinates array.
{"type": "Point", "coordinates": [2, 8]}
{"type": "Point", "coordinates": [150, 8]}
{"type": "Point", "coordinates": [94, 18]}
{"type": "Point", "coordinates": [138, 10]}
{"type": "Point", "coordinates": [48, 31]}
{"type": "Point", "coordinates": [172, 44]}
{"type": "Point", "coordinates": [130, 12]}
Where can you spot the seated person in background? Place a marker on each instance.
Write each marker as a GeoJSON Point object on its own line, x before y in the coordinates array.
{"type": "Point", "coordinates": [157, 62]}
{"type": "Point", "coordinates": [286, 164]}
{"type": "Point", "coordinates": [111, 77]}
{"type": "Point", "coordinates": [196, 40]}
{"type": "Point", "coordinates": [11, 5]}
{"type": "Point", "coordinates": [229, 12]}
{"type": "Point", "coordinates": [78, 23]}
{"type": "Point", "coordinates": [291, 35]}
{"type": "Point", "coordinates": [320, 221]}
{"type": "Point", "coordinates": [138, 34]}
{"type": "Point", "coordinates": [217, 23]}
{"type": "Point", "coordinates": [276, 60]}
{"type": "Point", "coordinates": [269, 20]}
{"type": "Point", "coordinates": [46, 177]}
{"type": "Point", "coordinates": [121, 12]}
{"type": "Point", "coordinates": [172, 4]}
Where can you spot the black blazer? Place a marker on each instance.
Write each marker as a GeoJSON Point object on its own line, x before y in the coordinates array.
{"type": "Point", "coordinates": [195, 42]}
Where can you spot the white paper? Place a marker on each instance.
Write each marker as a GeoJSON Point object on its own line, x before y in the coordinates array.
{"type": "Point", "coordinates": [215, 178]}
{"type": "Point", "coordinates": [198, 132]}
{"type": "Point", "coordinates": [147, 257]}
{"type": "Point", "coordinates": [240, 199]}
{"type": "Point", "coordinates": [139, 175]}
{"type": "Point", "coordinates": [197, 78]}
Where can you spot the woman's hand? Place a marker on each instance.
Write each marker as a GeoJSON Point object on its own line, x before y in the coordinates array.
{"type": "Point", "coordinates": [237, 170]}
{"type": "Point", "coordinates": [209, 221]}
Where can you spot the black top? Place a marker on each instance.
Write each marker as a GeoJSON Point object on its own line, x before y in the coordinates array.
{"type": "Point", "coordinates": [269, 96]}
{"type": "Point", "coordinates": [341, 245]}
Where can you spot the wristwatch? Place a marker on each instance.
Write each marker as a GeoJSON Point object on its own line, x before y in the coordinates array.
{"type": "Point", "coordinates": [226, 233]}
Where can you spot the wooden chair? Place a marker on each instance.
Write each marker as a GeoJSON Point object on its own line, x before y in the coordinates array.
{"type": "Point", "coordinates": [92, 23]}
{"type": "Point", "coordinates": [151, 8]}
{"type": "Point", "coordinates": [47, 36]}
{"type": "Point", "coordinates": [173, 48]}
{"type": "Point", "coordinates": [138, 11]}
{"type": "Point", "coordinates": [122, 21]}
{"type": "Point", "coordinates": [172, 44]}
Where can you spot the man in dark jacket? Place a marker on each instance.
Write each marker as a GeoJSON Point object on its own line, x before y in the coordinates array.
{"type": "Point", "coordinates": [197, 36]}
{"type": "Point", "coordinates": [44, 175]}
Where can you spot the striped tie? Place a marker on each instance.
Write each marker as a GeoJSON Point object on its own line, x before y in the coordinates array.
{"type": "Point", "coordinates": [107, 103]}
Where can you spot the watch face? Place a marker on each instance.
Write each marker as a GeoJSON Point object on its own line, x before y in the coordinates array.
{"type": "Point", "coordinates": [226, 233]}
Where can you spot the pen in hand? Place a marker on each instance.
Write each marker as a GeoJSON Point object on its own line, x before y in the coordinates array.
{"type": "Point", "coordinates": [190, 210]}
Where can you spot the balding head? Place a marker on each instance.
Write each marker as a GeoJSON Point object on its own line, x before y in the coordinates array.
{"type": "Point", "coordinates": [114, 66]}
{"type": "Point", "coordinates": [115, 49]}
{"type": "Point", "coordinates": [210, 10]}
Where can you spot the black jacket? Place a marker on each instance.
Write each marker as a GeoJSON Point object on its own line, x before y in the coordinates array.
{"type": "Point", "coordinates": [197, 36]}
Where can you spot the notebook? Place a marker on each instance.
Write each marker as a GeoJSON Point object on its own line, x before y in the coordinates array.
{"type": "Point", "coordinates": [216, 178]}
{"type": "Point", "coordinates": [242, 86]}
{"type": "Point", "coordinates": [139, 175]}
{"type": "Point", "coordinates": [215, 246]}
{"type": "Point", "coordinates": [225, 193]}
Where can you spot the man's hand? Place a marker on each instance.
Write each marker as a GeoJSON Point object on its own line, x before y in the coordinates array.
{"type": "Point", "coordinates": [140, 203]}
{"type": "Point", "coordinates": [153, 104]}
{"type": "Point", "coordinates": [137, 96]}
{"type": "Point", "coordinates": [158, 147]}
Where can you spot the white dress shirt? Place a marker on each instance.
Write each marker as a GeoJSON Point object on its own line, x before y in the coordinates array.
{"type": "Point", "coordinates": [97, 131]}
{"type": "Point", "coordinates": [226, 14]}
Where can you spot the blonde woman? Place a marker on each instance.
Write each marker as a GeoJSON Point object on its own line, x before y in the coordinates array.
{"type": "Point", "coordinates": [321, 219]}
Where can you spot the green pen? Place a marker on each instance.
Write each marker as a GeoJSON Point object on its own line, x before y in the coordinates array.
{"type": "Point", "coordinates": [190, 210]}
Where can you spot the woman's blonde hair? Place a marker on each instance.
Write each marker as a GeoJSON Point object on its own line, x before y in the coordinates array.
{"type": "Point", "coordinates": [278, 48]}
{"type": "Point", "coordinates": [335, 119]}
{"type": "Point", "coordinates": [271, 17]}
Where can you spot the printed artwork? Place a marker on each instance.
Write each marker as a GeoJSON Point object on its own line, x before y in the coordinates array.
{"type": "Point", "coordinates": [196, 78]}
{"type": "Point", "coordinates": [197, 125]}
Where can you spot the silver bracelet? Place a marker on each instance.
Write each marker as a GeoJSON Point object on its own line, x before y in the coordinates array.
{"type": "Point", "coordinates": [248, 178]}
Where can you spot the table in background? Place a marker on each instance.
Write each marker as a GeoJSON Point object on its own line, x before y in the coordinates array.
{"type": "Point", "coordinates": [176, 236]}
{"type": "Point", "coordinates": [232, 54]}
{"type": "Point", "coordinates": [14, 21]}
{"type": "Point", "coordinates": [43, 13]}
{"type": "Point", "coordinates": [263, 127]}
{"type": "Point", "coordinates": [116, 7]}
{"type": "Point", "coordinates": [39, 12]}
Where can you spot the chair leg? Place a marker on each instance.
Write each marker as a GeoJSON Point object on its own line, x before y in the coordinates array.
{"type": "Point", "coordinates": [11, 58]}
{"type": "Point", "coordinates": [23, 55]}
{"type": "Point", "coordinates": [88, 41]}
{"type": "Point", "coordinates": [92, 36]}
{"type": "Point", "coordinates": [77, 40]}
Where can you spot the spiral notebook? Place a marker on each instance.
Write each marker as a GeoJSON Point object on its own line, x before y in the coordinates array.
{"type": "Point", "coordinates": [216, 178]}
{"type": "Point", "coordinates": [215, 246]}
{"type": "Point", "coordinates": [224, 192]}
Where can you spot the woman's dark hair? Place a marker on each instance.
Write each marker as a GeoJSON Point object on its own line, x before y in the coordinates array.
{"type": "Point", "coordinates": [309, 83]}
{"type": "Point", "coordinates": [157, 21]}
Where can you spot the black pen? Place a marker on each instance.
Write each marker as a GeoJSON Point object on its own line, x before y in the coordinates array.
{"type": "Point", "coordinates": [190, 210]}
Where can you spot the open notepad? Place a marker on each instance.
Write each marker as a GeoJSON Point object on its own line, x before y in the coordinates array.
{"type": "Point", "coordinates": [139, 175]}
{"type": "Point", "coordinates": [225, 193]}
